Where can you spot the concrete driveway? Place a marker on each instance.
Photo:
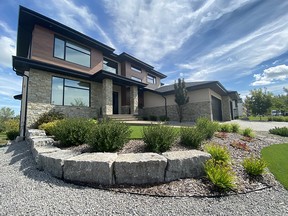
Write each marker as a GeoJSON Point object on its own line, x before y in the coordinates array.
{"type": "Point", "coordinates": [259, 125]}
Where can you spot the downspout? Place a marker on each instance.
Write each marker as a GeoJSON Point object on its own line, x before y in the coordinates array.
{"type": "Point", "coordinates": [26, 96]}
{"type": "Point", "coordinates": [165, 99]}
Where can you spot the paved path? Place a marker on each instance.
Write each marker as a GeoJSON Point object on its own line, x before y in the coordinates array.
{"type": "Point", "coordinates": [259, 126]}
{"type": "Point", "coordinates": [26, 191]}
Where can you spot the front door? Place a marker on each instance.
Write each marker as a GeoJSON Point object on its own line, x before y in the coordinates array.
{"type": "Point", "coordinates": [115, 103]}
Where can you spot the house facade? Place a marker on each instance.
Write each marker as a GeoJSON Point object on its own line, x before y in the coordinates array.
{"type": "Point", "coordinates": [67, 71]}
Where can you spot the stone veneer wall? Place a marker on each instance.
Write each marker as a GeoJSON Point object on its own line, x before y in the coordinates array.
{"type": "Point", "coordinates": [107, 97]}
{"type": "Point", "coordinates": [39, 98]}
{"type": "Point", "coordinates": [226, 111]}
{"type": "Point", "coordinates": [192, 111]}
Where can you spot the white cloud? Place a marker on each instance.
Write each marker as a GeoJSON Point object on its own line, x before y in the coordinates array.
{"type": "Point", "coordinates": [7, 47]}
{"type": "Point", "coordinates": [75, 16]}
{"type": "Point", "coordinates": [270, 75]}
{"type": "Point", "coordinates": [152, 29]}
{"type": "Point", "coordinates": [7, 30]}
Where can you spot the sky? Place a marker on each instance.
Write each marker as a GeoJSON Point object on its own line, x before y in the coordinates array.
{"type": "Point", "coordinates": [243, 44]}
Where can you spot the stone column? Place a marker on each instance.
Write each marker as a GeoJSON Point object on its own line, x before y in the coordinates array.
{"type": "Point", "coordinates": [134, 100]}
{"type": "Point", "coordinates": [226, 111]}
{"type": "Point", "coordinates": [107, 97]}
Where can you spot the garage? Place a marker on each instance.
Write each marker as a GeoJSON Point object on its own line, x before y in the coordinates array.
{"type": "Point", "coordinates": [216, 109]}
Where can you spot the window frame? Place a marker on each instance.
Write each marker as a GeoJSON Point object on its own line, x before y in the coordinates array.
{"type": "Point", "coordinates": [105, 59]}
{"type": "Point", "coordinates": [135, 68]}
{"type": "Point", "coordinates": [136, 79]}
{"type": "Point", "coordinates": [63, 91]}
{"type": "Point", "coordinates": [154, 79]}
{"type": "Point", "coordinates": [75, 44]}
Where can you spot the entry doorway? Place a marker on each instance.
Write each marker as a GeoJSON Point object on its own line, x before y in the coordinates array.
{"type": "Point", "coordinates": [115, 103]}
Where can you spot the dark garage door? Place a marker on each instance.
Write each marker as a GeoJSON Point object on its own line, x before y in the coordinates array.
{"type": "Point", "coordinates": [216, 109]}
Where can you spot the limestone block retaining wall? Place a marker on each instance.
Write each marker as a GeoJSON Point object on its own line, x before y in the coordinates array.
{"type": "Point", "coordinates": [113, 168]}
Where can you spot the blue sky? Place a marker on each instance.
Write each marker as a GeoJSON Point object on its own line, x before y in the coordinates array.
{"type": "Point", "coordinates": [241, 43]}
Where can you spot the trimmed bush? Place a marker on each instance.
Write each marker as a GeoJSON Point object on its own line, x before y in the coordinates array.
{"type": "Point", "coordinates": [219, 153]}
{"type": "Point", "coordinates": [159, 138]}
{"type": "Point", "coordinates": [153, 118]}
{"type": "Point", "coordinates": [207, 127]}
{"type": "Point", "coordinates": [164, 118]}
{"type": "Point", "coordinates": [191, 136]}
{"type": "Point", "coordinates": [12, 134]}
{"type": "Point", "coordinates": [278, 118]}
{"type": "Point", "coordinates": [283, 131]}
{"type": "Point", "coordinates": [235, 128]}
{"type": "Point", "coordinates": [11, 127]}
{"type": "Point", "coordinates": [221, 175]}
{"type": "Point", "coordinates": [72, 131]}
{"type": "Point", "coordinates": [145, 118]}
{"type": "Point", "coordinates": [254, 166]}
{"type": "Point", "coordinates": [50, 116]}
{"type": "Point", "coordinates": [248, 132]}
{"type": "Point", "coordinates": [108, 136]}
{"type": "Point", "coordinates": [48, 127]}
{"type": "Point", "coordinates": [225, 128]}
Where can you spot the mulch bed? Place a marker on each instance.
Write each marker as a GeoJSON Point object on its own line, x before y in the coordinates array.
{"type": "Point", "coordinates": [202, 187]}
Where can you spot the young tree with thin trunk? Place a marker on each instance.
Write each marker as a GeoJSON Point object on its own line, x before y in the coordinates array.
{"type": "Point", "coordinates": [181, 97]}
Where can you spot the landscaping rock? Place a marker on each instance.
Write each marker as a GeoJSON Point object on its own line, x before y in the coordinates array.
{"type": "Point", "coordinates": [53, 162]}
{"type": "Point", "coordinates": [35, 133]}
{"type": "Point", "coordinates": [185, 164]}
{"type": "Point", "coordinates": [91, 168]}
{"type": "Point", "coordinates": [37, 150]}
{"type": "Point", "coordinates": [141, 168]}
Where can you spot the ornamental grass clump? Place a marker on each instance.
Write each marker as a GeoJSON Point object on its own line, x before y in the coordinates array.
{"type": "Point", "coordinates": [219, 153]}
{"type": "Point", "coordinates": [159, 138]}
{"type": "Point", "coordinates": [248, 132]}
{"type": "Point", "coordinates": [221, 175]}
{"type": "Point", "coordinates": [254, 166]}
{"type": "Point", "coordinates": [225, 128]}
{"type": "Point", "coordinates": [283, 131]}
{"type": "Point", "coordinates": [71, 131]}
{"type": "Point", "coordinates": [235, 128]}
{"type": "Point", "coordinates": [108, 136]}
{"type": "Point", "coordinates": [191, 137]}
{"type": "Point", "coordinates": [207, 127]}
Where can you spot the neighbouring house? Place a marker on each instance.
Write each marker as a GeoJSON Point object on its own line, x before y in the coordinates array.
{"type": "Point", "coordinates": [67, 71]}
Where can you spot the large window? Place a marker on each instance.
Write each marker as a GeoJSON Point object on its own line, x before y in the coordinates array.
{"type": "Point", "coordinates": [110, 66]}
{"type": "Point", "coordinates": [151, 79]}
{"type": "Point", "coordinates": [136, 79]}
{"type": "Point", "coordinates": [136, 69]}
{"type": "Point", "coordinates": [70, 92]}
{"type": "Point", "coordinates": [71, 52]}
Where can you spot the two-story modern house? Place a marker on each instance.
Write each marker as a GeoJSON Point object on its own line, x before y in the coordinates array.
{"type": "Point", "coordinates": [67, 71]}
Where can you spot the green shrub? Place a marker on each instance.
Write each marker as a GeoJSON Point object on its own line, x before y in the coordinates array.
{"type": "Point", "coordinates": [207, 127]}
{"type": "Point", "coordinates": [108, 136]}
{"type": "Point", "coordinates": [283, 131]}
{"type": "Point", "coordinates": [159, 138]}
{"type": "Point", "coordinates": [278, 118]}
{"type": "Point", "coordinates": [191, 136]}
{"type": "Point", "coordinates": [221, 175]}
{"type": "Point", "coordinates": [48, 127]}
{"type": "Point", "coordinates": [153, 118]}
{"type": "Point", "coordinates": [235, 128]}
{"type": "Point", "coordinates": [248, 132]}
{"type": "Point", "coordinates": [254, 166]}
{"type": "Point", "coordinates": [164, 118]}
{"type": "Point", "coordinates": [219, 153]}
{"type": "Point", "coordinates": [72, 131]}
{"type": "Point", "coordinates": [145, 118]}
{"type": "Point", "coordinates": [50, 116]}
{"type": "Point", "coordinates": [11, 127]}
{"type": "Point", "coordinates": [225, 128]}
{"type": "Point", "coordinates": [12, 134]}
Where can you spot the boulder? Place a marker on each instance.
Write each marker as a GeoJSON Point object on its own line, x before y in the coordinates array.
{"type": "Point", "coordinates": [53, 162]}
{"type": "Point", "coordinates": [140, 168]}
{"type": "Point", "coordinates": [91, 168]}
{"type": "Point", "coordinates": [185, 164]}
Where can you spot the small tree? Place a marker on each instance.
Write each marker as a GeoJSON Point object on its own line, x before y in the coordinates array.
{"type": "Point", "coordinates": [6, 113]}
{"type": "Point", "coordinates": [259, 102]}
{"type": "Point", "coordinates": [181, 97]}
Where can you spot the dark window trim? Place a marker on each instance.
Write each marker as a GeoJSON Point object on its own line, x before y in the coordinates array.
{"type": "Point", "coordinates": [154, 79]}
{"type": "Point", "coordinates": [135, 68]}
{"type": "Point", "coordinates": [63, 93]}
{"type": "Point", "coordinates": [136, 78]}
{"type": "Point", "coordinates": [76, 44]}
{"type": "Point", "coordinates": [104, 57]}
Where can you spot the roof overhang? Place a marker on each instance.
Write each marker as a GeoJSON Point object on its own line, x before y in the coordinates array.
{"type": "Point", "coordinates": [234, 95]}
{"type": "Point", "coordinates": [18, 97]}
{"type": "Point", "coordinates": [28, 19]}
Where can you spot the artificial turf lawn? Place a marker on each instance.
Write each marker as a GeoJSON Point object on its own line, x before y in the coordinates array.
{"type": "Point", "coordinates": [276, 157]}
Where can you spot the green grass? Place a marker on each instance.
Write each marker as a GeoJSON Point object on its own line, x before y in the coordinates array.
{"type": "Point", "coordinates": [137, 131]}
{"type": "Point", "coordinates": [257, 118]}
{"type": "Point", "coordinates": [276, 157]}
{"type": "Point", "coordinates": [3, 139]}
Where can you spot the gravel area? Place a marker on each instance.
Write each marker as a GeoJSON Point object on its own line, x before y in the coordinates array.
{"type": "Point", "coordinates": [26, 191]}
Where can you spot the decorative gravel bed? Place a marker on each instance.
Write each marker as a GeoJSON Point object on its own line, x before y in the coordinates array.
{"type": "Point", "coordinates": [202, 187]}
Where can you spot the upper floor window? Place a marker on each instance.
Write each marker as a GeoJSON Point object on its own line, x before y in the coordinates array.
{"type": "Point", "coordinates": [71, 52]}
{"type": "Point", "coordinates": [110, 66]}
{"type": "Point", "coordinates": [137, 69]}
{"type": "Point", "coordinates": [151, 79]}
{"type": "Point", "coordinates": [136, 79]}
{"type": "Point", "coordinates": [70, 92]}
